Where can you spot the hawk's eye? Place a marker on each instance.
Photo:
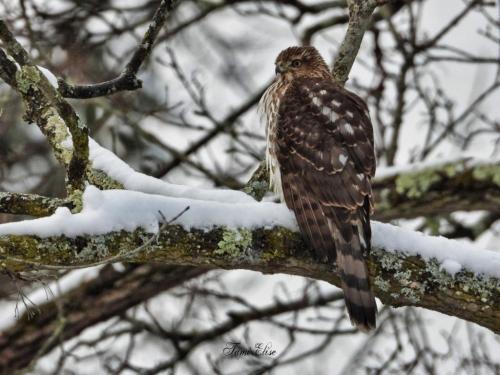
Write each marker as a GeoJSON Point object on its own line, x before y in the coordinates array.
{"type": "Point", "coordinates": [296, 63]}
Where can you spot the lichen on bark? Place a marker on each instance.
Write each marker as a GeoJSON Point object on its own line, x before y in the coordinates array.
{"type": "Point", "coordinates": [398, 279]}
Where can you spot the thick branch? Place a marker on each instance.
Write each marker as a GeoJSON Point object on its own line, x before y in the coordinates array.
{"type": "Point", "coordinates": [398, 279]}
{"type": "Point", "coordinates": [440, 189]}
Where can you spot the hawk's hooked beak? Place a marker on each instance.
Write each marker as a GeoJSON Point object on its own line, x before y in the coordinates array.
{"type": "Point", "coordinates": [280, 68]}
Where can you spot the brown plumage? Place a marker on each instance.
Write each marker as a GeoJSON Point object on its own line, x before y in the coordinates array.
{"type": "Point", "coordinates": [321, 159]}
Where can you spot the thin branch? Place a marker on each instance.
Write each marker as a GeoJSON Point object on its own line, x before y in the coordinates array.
{"type": "Point", "coordinates": [45, 107]}
{"type": "Point", "coordinates": [127, 80]}
{"type": "Point", "coordinates": [100, 299]}
{"type": "Point", "coordinates": [360, 12]}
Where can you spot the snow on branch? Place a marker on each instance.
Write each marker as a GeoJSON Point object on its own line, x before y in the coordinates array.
{"type": "Point", "coordinates": [407, 268]}
{"type": "Point", "coordinates": [437, 188]}
{"type": "Point", "coordinates": [45, 106]}
{"type": "Point", "coordinates": [104, 160]}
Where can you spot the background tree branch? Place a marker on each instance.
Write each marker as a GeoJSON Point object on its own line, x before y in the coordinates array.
{"type": "Point", "coordinates": [98, 300]}
{"type": "Point", "coordinates": [127, 80]}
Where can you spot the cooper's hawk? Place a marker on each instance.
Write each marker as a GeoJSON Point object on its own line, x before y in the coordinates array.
{"type": "Point", "coordinates": [321, 160]}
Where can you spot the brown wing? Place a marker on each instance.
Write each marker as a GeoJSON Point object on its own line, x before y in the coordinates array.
{"type": "Point", "coordinates": [326, 158]}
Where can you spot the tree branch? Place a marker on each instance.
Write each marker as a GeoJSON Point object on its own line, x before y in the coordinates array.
{"type": "Point", "coordinates": [127, 80]}
{"type": "Point", "coordinates": [427, 190]}
{"type": "Point", "coordinates": [360, 12]}
{"type": "Point", "coordinates": [30, 204]}
{"type": "Point", "coordinates": [398, 279]}
{"type": "Point", "coordinates": [46, 107]}
{"type": "Point", "coordinates": [90, 303]}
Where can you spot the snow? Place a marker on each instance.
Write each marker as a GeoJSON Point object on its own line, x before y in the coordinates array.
{"type": "Point", "coordinates": [120, 171]}
{"type": "Point", "coordinates": [451, 266]}
{"type": "Point", "coordinates": [452, 255]}
{"type": "Point", "coordinates": [115, 210]}
{"type": "Point", "coordinates": [49, 75]}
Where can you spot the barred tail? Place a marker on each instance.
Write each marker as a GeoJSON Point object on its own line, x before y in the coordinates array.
{"type": "Point", "coordinates": [359, 298]}
{"type": "Point", "coordinates": [334, 237]}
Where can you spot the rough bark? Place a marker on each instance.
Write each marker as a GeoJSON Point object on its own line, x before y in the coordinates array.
{"type": "Point", "coordinates": [360, 12]}
{"type": "Point", "coordinates": [398, 279]}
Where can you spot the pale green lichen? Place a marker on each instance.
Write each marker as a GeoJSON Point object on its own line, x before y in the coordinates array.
{"type": "Point", "coordinates": [26, 77]}
{"type": "Point", "coordinates": [410, 294]}
{"type": "Point", "coordinates": [485, 287]}
{"type": "Point", "coordinates": [438, 275]}
{"type": "Point", "coordinates": [403, 277]}
{"type": "Point", "coordinates": [467, 283]}
{"type": "Point", "coordinates": [414, 291]}
{"type": "Point", "coordinates": [76, 197]}
{"type": "Point", "coordinates": [256, 189]}
{"type": "Point", "coordinates": [96, 249]}
{"type": "Point", "coordinates": [102, 180]}
{"type": "Point", "coordinates": [451, 170]}
{"type": "Point", "coordinates": [487, 172]}
{"type": "Point", "coordinates": [410, 290]}
{"type": "Point", "coordinates": [388, 261]}
{"type": "Point", "coordinates": [234, 242]}
{"type": "Point", "coordinates": [414, 185]}
{"type": "Point", "coordinates": [59, 133]}
{"type": "Point", "coordinates": [382, 284]}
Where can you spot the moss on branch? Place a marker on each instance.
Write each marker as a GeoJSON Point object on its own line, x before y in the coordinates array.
{"type": "Point", "coordinates": [398, 279]}
{"type": "Point", "coordinates": [30, 204]}
{"type": "Point", "coordinates": [47, 108]}
{"type": "Point", "coordinates": [461, 185]}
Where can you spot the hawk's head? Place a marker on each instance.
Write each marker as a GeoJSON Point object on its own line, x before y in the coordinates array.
{"type": "Point", "coordinates": [297, 62]}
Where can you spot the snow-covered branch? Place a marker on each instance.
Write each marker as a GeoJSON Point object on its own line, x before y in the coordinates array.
{"type": "Point", "coordinates": [48, 109]}
{"type": "Point", "coordinates": [427, 189]}
{"type": "Point", "coordinates": [407, 268]}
